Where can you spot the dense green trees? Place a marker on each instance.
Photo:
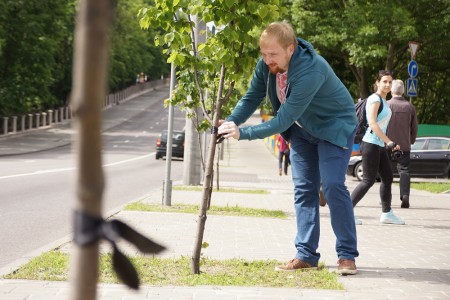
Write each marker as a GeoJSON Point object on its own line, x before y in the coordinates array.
{"type": "Point", "coordinates": [357, 37]}
{"type": "Point", "coordinates": [36, 43]}
{"type": "Point", "coordinates": [361, 37]}
{"type": "Point", "coordinates": [36, 46]}
{"type": "Point", "coordinates": [132, 49]}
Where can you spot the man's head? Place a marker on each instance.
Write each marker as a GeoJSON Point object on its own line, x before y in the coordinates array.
{"type": "Point", "coordinates": [277, 44]}
{"type": "Point", "coordinates": [398, 87]}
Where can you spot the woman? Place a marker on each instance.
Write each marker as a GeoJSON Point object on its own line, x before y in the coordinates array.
{"type": "Point", "coordinates": [283, 154]}
{"type": "Point", "coordinates": [375, 158]}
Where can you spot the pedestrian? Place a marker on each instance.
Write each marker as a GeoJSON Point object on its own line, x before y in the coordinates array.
{"type": "Point", "coordinates": [403, 130]}
{"type": "Point", "coordinates": [314, 111]}
{"type": "Point", "coordinates": [374, 145]}
{"type": "Point", "coordinates": [283, 155]}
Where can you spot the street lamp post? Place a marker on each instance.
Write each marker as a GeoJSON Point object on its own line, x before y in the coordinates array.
{"type": "Point", "coordinates": [168, 181]}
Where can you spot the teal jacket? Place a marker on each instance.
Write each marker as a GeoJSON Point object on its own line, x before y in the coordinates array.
{"type": "Point", "coordinates": [316, 99]}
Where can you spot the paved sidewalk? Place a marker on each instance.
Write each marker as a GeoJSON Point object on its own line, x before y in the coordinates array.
{"type": "Point", "coordinates": [396, 262]}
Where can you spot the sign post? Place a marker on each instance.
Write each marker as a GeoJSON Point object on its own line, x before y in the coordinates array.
{"type": "Point", "coordinates": [413, 46]}
{"type": "Point", "coordinates": [413, 71]}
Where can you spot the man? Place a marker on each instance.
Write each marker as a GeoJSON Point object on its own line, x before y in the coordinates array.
{"type": "Point", "coordinates": [403, 130]}
{"type": "Point", "coordinates": [316, 114]}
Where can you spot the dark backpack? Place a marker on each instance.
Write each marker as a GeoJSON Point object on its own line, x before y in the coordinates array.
{"type": "Point", "coordinates": [361, 127]}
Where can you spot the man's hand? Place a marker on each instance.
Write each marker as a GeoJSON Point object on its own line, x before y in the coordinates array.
{"type": "Point", "coordinates": [229, 130]}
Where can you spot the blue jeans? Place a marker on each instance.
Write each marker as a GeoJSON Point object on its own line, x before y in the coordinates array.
{"type": "Point", "coordinates": [314, 160]}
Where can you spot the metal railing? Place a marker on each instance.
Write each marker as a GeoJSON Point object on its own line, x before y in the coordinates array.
{"type": "Point", "coordinates": [18, 124]}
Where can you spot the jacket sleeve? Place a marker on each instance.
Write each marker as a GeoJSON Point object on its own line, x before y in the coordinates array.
{"type": "Point", "coordinates": [253, 98]}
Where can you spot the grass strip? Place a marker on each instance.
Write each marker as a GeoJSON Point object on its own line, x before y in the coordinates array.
{"type": "Point", "coordinates": [221, 190]}
{"type": "Point", "coordinates": [214, 210]}
{"type": "Point", "coordinates": [433, 187]}
{"type": "Point", "coordinates": [54, 266]}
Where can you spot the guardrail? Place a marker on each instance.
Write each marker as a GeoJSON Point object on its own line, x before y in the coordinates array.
{"type": "Point", "coordinates": [24, 123]}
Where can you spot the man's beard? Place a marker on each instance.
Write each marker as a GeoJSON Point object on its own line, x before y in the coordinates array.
{"type": "Point", "coordinates": [275, 69]}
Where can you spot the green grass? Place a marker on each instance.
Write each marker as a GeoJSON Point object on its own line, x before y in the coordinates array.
{"type": "Point", "coordinates": [221, 190]}
{"type": "Point", "coordinates": [54, 266]}
{"type": "Point", "coordinates": [433, 187]}
{"type": "Point", "coordinates": [214, 210]}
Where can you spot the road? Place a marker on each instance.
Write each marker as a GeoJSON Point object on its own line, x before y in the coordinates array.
{"type": "Point", "coordinates": [37, 189]}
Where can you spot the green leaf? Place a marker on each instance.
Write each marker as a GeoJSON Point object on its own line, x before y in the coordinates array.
{"type": "Point", "coordinates": [201, 47]}
{"type": "Point", "coordinates": [172, 57]}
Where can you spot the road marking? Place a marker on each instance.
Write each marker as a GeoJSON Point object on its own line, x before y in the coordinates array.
{"type": "Point", "coordinates": [72, 168]}
{"type": "Point", "coordinates": [128, 160]}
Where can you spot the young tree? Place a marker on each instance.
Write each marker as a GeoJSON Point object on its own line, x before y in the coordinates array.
{"type": "Point", "coordinates": [90, 81]}
{"type": "Point", "coordinates": [213, 68]}
{"type": "Point", "coordinates": [89, 87]}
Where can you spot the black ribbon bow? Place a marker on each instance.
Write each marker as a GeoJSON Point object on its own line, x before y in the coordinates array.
{"type": "Point", "coordinates": [89, 229]}
{"type": "Point", "coordinates": [220, 137]}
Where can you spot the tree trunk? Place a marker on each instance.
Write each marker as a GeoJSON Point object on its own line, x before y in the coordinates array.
{"type": "Point", "coordinates": [89, 86]}
{"type": "Point", "coordinates": [207, 183]}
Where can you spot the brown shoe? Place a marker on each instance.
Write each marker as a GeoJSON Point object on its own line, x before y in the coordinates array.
{"type": "Point", "coordinates": [295, 264]}
{"type": "Point", "coordinates": [346, 267]}
{"type": "Point", "coordinates": [323, 201]}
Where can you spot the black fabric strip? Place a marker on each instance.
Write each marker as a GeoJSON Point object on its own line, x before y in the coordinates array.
{"type": "Point", "coordinates": [89, 229]}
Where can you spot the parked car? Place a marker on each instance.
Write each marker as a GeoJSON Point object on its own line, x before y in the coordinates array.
{"type": "Point", "coordinates": [430, 157]}
{"type": "Point", "coordinates": [177, 144]}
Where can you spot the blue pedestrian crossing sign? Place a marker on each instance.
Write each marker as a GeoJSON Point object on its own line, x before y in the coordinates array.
{"type": "Point", "coordinates": [411, 87]}
{"type": "Point", "coordinates": [413, 68]}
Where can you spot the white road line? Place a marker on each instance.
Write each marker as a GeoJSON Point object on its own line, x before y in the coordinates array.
{"type": "Point", "coordinates": [72, 168]}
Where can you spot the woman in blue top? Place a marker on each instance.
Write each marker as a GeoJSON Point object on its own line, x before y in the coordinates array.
{"type": "Point", "coordinates": [375, 158]}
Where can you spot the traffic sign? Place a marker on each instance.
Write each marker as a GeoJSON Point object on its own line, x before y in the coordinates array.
{"type": "Point", "coordinates": [411, 87]}
{"type": "Point", "coordinates": [413, 68]}
{"type": "Point", "coordinates": [413, 46]}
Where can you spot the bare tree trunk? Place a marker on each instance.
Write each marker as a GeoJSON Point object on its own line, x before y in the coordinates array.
{"type": "Point", "coordinates": [390, 57]}
{"type": "Point", "coordinates": [207, 183]}
{"type": "Point", "coordinates": [89, 87]}
{"type": "Point", "coordinates": [361, 78]}
{"type": "Point", "coordinates": [217, 167]}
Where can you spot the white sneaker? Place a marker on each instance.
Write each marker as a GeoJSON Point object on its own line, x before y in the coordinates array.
{"type": "Point", "coordinates": [358, 221]}
{"type": "Point", "coordinates": [390, 218]}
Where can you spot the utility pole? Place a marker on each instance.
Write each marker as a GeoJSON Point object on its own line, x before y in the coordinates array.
{"type": "Point", "coordinates": [168, 181]}
{"type": "Point", "coordinates": [192, 167]}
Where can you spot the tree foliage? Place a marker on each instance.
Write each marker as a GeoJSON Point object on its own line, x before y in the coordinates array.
{"type": "Point", "coordinates": [132, 49]}
{"type": "Point", "coordinates": [36, 42]}
{"type": "Point", "coordinates": [231, 43]}
{"type": "Point", "coordinates": [34, 53]}
{"type": "Point", "coordinates": [361, 37]}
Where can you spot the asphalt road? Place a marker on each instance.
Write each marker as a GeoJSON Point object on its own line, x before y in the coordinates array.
{"type": "Point", "coordinates": [37, 189]}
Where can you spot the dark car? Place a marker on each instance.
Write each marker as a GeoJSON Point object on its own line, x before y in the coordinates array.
{"type": "Point", "coordinates": [430, 157]}
{"type": "Point", "coordinates": [177, 144]}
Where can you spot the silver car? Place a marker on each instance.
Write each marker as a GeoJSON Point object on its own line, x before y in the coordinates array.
{"type": "Point", "coordinates": [430, 158]}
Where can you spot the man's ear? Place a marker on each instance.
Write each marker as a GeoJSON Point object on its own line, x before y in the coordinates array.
{"type": "Point", "coordinates": [291, 49]}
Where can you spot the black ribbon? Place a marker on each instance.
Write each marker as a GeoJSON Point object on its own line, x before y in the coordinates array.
{"type": "Point", "coordinates": [220, 137]}
{"type": "Point", "coordinates": [89, 229]}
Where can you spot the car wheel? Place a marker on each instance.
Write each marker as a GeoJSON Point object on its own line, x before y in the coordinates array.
{"type": "Point", "coordinates": [359, 171]}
